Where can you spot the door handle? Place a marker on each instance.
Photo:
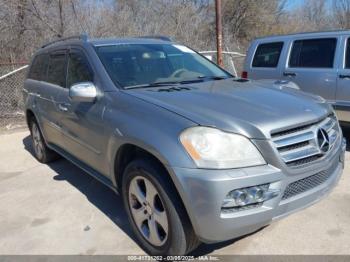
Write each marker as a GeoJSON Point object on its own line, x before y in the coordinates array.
{"type": "Point", "coordinates": [344, 76]}
{"type": "Point", "coordinates": [289, 74]}
{"type": "Point", "coordinates": [63, 107]}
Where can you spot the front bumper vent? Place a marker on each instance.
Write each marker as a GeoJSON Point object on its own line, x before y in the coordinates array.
{"type": "Point", "coordinates": [308, 183]}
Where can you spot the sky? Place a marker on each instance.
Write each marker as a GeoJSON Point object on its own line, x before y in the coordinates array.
{"type": "Point", "coordinates": [292, 4]}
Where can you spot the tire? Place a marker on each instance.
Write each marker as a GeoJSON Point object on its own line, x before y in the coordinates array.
{"type": "Point", "coordinates": [173, 235]}
{"type": "Point", "coordinates": [41, 152]}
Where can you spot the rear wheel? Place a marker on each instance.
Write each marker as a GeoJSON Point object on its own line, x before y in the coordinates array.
{"type": "Point", "coordinates": [41, 151]}
{"type": "Point", "coordinates": [155, 211]}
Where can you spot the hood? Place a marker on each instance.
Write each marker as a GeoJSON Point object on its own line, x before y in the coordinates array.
{"type": "Point", "coordinates": [251, 108]}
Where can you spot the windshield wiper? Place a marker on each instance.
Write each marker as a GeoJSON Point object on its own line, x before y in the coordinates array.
{"type": "Point", "coordinates": [165, 83]}
{"type": "Point", "coordinates": [214, 77]}
{"type": "Point", "coordinates": [191, 81]}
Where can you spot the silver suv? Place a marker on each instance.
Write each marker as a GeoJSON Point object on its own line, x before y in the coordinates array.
{"type": "Point", "coordinates": [196, 154]}
{"type": "Point", "coordinates": [317, 62]}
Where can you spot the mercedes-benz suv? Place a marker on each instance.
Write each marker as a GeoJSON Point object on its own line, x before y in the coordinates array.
{"type": "Point", "coordinates": [197, 154]}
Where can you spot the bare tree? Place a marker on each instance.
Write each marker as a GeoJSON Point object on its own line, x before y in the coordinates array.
{"type": "Point", "coordinates": [341, 10]}
{"type": "Point", "coordinates": [27, 24]}
{"type": "Point", "coordinates": [315, 14]}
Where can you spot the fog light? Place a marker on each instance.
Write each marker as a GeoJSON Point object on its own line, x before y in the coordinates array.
{"type": "Point", "coordinates": [240, 197]}
{"type": "Point", "coordinates": [248, 195]}
{"type": "Point", "coordinates": [257, 194]}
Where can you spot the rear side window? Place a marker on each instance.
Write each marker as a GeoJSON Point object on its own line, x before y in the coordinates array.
{"type": "Point", "coordinates": [314, 53]}
{"type": "Point", "coordinates": [39, 68]}
{"type": "Point", "coordinates": [267, 55]}
{"type": "Point", "coordinates": [347, 54]}
{"type": "Point", "coordinates": [78, 69]}
{"type": "Point", "coordinates": [57, 69]}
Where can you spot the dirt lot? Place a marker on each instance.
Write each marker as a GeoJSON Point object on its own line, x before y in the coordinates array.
{"type": "Point", "coordinates": [58, 209]}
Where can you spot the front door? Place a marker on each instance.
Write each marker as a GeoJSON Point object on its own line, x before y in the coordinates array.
{"type": "Point", "coordinates": [311, 65]}
{"type": "Point", "coordinates": [343, 84]}
{"type": "Point", "coordinates": [83, 129]}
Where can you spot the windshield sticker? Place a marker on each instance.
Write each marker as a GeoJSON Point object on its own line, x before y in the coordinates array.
{"type": "Point", "coordinates": [183, 48]}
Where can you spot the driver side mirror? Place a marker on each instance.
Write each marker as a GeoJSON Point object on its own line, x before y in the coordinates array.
{"type": "Point", "coordinates": [83, 92]}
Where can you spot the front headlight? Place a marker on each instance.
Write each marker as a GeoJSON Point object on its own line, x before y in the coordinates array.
{"type": "Point", "coordinates": [212, 148]}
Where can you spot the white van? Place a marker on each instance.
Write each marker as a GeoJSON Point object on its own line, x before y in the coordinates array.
{"type": "Point", "coordinates": [317, 62]}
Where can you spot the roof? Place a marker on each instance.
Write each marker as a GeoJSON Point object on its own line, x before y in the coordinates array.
{"type": "Point", "coordinates": [133, 40]}
{"type": "Point", "coordinates": [107, 41]}
{"type": "Point", "coordinates": [314, 34]}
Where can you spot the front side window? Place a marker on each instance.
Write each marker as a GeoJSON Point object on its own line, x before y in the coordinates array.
{"type": "Point", "coordinates": [39, 68]}
{"type": "Point", "coordinates": [57, 69]}
{"type": "Point", "coordinates": [313, 53]}
{"type": "Point", "coordinates": [131, 65]}
{"type": "Point", "coordinates": [78, 69]}
{"type": "Point", "coordinates": [267, 55]}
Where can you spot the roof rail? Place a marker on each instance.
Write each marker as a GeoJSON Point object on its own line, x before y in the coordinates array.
{"type": "Point", "coordinates": [82, 37]}
{"type": "Point", "coordinates": [160, 37]}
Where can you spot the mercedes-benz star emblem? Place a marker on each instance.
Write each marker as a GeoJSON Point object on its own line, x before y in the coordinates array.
{"type": "Point", "coordinates": [323, 140]}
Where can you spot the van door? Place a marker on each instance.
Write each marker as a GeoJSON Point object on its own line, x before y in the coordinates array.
{"type": "Point", "coordinates": [82, 123]}
{"type": "Point", "coordinates": [266, 61]}
{"type": "Point", "coordinates": [311, 65]}
{"type": "Point", "coordinates": [343, 83]}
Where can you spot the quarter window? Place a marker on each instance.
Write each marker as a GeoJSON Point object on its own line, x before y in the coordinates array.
{"type": "Point", "coordinates": [39, 68]}
{"type": "Point", "coordinates": [313, 53]}
{"type": "Point", "coordinates": [78, 69]}
{"type": "Point", "coordinates": [57, 69]}
{"type": "Point", "coordinates": [267, 55]}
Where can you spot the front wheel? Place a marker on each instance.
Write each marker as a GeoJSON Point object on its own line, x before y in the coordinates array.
{"type": "Point", "coordinates": [155, 212]}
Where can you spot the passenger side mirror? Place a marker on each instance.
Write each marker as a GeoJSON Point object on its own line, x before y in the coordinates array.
{"type": "Point", "coordinates": [83, 92]}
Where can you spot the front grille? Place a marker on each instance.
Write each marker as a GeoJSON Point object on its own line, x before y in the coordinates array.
{"type": "Point", "coordinates": [305, 184]}
{"type": "Point", "coordinates": [303, 161]}
{"type": "Point", "coordinates": [299, 146]}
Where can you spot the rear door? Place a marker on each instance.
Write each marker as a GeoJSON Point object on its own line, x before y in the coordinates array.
{"type": "Point", "coordinates": [266, 63]}
{"type": "Point", "coordinates": [35, 86]}
{"type": "Point", "coordinates": [343, 82]}
{"type": "Point", "coordinates": [51, 81]}
{"type": "Point", "coordinates": [311, 65]}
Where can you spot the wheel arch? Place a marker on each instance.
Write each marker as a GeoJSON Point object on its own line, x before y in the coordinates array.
{"type": "Point", "coordinates": [128, 152]}
{"type": "Point", "coordinates": [29, 115]}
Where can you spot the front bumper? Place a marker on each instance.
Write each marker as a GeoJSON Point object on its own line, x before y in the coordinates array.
{"type": "Point", "coordinates": [203, 191]}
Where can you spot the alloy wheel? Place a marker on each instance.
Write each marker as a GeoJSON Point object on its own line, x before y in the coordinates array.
{"type": "Point", "coordinates": [148, 211]}
{"type": "Point", "coordinates": [37, 141]}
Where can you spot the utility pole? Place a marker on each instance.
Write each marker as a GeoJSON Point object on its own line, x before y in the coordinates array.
{"type": "Point", "coordinates": [218, 32]}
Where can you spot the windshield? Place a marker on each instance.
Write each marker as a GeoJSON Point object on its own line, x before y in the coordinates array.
{"type": "Point", "coordinates": [137, 65]}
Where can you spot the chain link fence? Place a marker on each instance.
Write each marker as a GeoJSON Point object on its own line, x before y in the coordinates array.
{"type": "Point", "coordinates": [12, 76]}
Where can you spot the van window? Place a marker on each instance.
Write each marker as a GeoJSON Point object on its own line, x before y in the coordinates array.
{"type": "Point", "coordinates": [78, 69]}
{"type": "Point", "coordinates": [347, 54]}
{"type": "Point", "coordinates": [267, 55]}
{"type": "Point", "coordinates": [57, 69]}
{"type": "Point", "coordinates": [316, 53]}
{"type": "Point", "coordinates": [39, 68]}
